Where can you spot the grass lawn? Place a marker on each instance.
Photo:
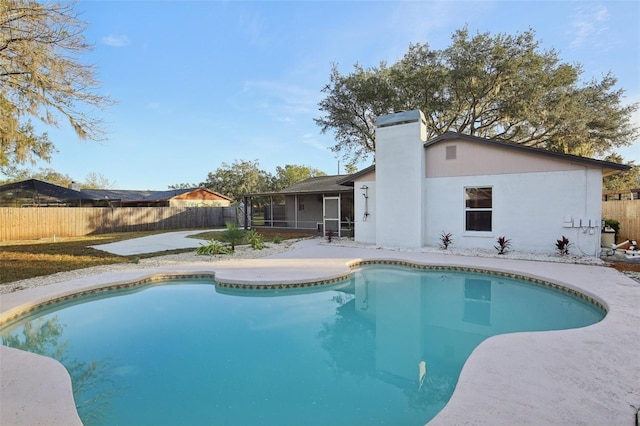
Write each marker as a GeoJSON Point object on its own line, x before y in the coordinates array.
{"type": "Point", "coordinates": [28, 259]}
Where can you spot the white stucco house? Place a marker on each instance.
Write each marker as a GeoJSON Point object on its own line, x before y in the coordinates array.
{"type": "Point", "coordinates": [476, 189]}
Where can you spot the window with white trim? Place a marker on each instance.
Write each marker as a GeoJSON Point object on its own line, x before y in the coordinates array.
{"type": "Point", "coordinates": [478, 209]}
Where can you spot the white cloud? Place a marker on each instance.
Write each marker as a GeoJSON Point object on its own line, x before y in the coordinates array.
{"type": "Point", "coordinates": [312, 141]}
{"type": "Point", "coordinates": [588, 24]}
{"type": "Point", "coordinates": [285, 101]}
{"type": "Point", "coordinates": [115, 40]}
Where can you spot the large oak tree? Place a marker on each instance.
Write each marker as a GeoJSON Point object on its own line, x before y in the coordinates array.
{"type": "Point", "coordinates": [42, 78]}
{"type": "Point", "coordinates": [237, 179]}
{"type": "Point", "coordinates": [245, 177]}
{"type": "Point", "coordinates": [293, 173]}
{"type": "Point", "coordinates": [496, 86]}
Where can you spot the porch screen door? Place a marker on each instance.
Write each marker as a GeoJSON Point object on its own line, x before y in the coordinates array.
{"type": "Point", "coordinates": [331, 215]}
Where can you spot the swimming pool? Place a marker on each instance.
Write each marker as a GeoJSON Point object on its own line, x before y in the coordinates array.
{"type": "Point", "coordinates": [385, 346]}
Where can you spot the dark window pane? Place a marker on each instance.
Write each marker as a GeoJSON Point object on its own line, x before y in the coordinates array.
{"type": "Point", "coordinates": [478, 221]}
{"type": "Point", "coordinates": [478, 198]}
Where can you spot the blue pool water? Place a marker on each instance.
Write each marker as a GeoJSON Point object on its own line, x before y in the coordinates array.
{"type": "Point", "coordinates": [384, 347]}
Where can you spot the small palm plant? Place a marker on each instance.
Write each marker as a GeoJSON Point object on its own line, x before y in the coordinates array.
{"type": "Point", "coordinates": [563, 246]}
{"type": "Point", "coordinates": [503, 245]}
{"type": "Point", "coordinates": [233, 235]}
{"type": "Point", "coordinates": [329, 235]}
{"type": "Point", "coordinates": [445, 240]}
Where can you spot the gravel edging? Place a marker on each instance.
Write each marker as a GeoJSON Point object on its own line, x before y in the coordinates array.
{"type": "Point", "coordinates": [515, 255]}
{"type": "Point", "coordinates": [246, 252]}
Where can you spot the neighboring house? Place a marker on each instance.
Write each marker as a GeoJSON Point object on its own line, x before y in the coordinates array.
{"type": "Point", "coordinates": [316, 204]}
{"type": "Point", "coordinates": [476, 189]}
{"type": "Point", "coordinates": [190, 197]}
{"type": "Point", "coordinates": [36, 193]}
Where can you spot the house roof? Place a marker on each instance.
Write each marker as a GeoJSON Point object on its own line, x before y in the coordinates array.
{"type": "Point", "coordinates": [200, 188]}
{"type": "Point", "coordinates": [117, 194]}
{"type": "Point", "coordinates": [46, 189]}
{"type": "Point", "coordinates": [62, 193]}
{"type": "Point", "coordinates": [348, 180]}
{"type": "Point", "coordinates": [136, 196]}
{"type": "Point", "coordinates": [172, 193]}
{"type": "Point", "coordinates": [607, 166]}
{"type": "Point", "coordinates": [313, 185]}
{"type": "Point", "coordinates": [317, 184]}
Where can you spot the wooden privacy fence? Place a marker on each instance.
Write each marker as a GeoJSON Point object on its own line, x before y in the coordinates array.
{"type": "Point", "coordinates": [45, 222]}
{"type": "Point", "coordinates": [627, 212]}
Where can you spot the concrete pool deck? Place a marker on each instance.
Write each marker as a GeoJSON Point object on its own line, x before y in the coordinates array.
{"type": "Point", "coordinates": [587, 376]}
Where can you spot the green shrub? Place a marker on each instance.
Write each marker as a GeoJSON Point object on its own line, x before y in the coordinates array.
{"type": "Point", "coordinates": [613, 224]}
{"type": "Point", "coordinates": [214, 247]}
{"type": "Point", "coordinates": [349, 228]}
{"type": "Point", "coordinates": [277, 239]}
{"type": "Point", "coordinates": [255, 240]}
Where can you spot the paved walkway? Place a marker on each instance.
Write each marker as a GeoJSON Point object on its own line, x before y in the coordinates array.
{"type": "Point", "coordinates": [155, 243]}
{"type": "Point", "coordinates": [588, 376]}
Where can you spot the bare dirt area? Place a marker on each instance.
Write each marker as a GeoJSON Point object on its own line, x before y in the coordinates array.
{"type": "Point", "coordinates": [626, 266]}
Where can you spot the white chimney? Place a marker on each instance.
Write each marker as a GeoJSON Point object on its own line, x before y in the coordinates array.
{"type": "Point", "coordinates": [400, 177]}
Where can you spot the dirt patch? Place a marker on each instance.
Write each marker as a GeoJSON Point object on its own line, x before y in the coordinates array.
{"type": "Point", "coordinates": [626, 266]}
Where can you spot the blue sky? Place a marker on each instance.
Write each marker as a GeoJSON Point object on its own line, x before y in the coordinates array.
{"type": "Point", "coordinates": [198, 83]}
